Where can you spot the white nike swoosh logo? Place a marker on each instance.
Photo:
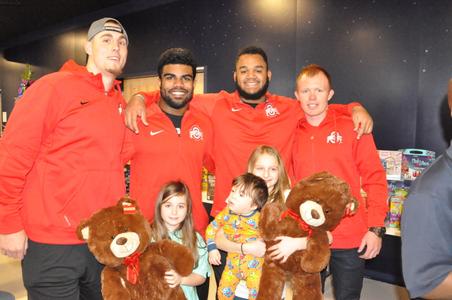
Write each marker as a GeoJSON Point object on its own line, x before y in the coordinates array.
{"type": "Point", "coordinates": [152, 133]}
{"type": "Point", "coordinates": [235, 109]}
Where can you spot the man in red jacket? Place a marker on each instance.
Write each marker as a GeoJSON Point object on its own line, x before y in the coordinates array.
{"type": "Point", "coordinates": [60, 163]}
{"type": "Point", "coordinates": [176, 144]}
{"type": "Point", "coordinates": [326, 141]}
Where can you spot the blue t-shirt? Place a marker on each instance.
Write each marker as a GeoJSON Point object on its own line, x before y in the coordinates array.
{"type": "Point", "coordinates": [202, 266]}
{"type": "Point", "coordinates": [427, 228]}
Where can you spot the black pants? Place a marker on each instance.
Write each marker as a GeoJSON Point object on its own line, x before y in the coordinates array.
{"type": "Point", "coordinates": [218, 270]}
{"type": "Point", "coordinates": [203, 290]}
{"type": "Point", "coordinates": [347, 270]}
{"type": "Point", "coordinates": [61, 272]}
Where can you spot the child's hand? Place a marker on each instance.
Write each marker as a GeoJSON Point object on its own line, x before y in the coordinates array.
{"type": "Point", "coordinates": [172, 278]}
{"type": "Point", "coordinates": [215, 257]}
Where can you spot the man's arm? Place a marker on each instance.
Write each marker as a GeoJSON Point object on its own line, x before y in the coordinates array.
{"type": "Point", "coordinates": [426, 239]}
{"type": "Point", "coordinates": [443, 290]}
{"type": "Point", "coordinates": [373, 182]}
{"type": "Point", "coordinates": [32, 119]}
{"type": "Point", "coordinates": [136, 108]}
{"type": "Point", "coordinates": [362, 121]}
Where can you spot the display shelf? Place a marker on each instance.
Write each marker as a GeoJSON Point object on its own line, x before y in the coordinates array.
{"type": "Point", "coordinates": [204, 198]}
{"type": "Point", "coordinates": [387, 266]}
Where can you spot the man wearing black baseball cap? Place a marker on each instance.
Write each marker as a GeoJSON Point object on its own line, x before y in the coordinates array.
{"type": "Point", "coordinates": [60, 163]}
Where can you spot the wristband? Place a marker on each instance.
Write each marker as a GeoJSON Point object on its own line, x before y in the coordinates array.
{"type": "Point", "coordinates": [241, 248]}
{"type": "Point", "coordinates": [379, 231]}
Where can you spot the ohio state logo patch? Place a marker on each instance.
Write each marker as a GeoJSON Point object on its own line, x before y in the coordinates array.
{"type": "Point", "coordinates": [271, 111]}
{"type": "Point", "coordinates": [195, 133]}
{"type": "Point", "coordinates": [334, 138]}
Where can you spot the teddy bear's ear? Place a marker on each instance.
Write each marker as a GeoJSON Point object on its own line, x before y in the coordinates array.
{"type": "Point", "coordinates": [83, 230]}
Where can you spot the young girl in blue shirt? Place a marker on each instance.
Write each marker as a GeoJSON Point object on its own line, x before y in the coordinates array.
{"type": "Point", "coordinates": [173, 220]}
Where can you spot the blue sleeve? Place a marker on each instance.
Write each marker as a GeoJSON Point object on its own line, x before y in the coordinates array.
{"type": "Point", "coordinates": [426, 239]}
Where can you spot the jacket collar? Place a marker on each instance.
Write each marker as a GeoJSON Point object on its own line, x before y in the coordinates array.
{"type": "Point", "coordinates": [236, 98]}
{"type": "Point", "coordinates": [96, 80]}
{"type": "Point", "coordinates": [252, 213]}
{"type": "Point", "coordinates": [330, 117]}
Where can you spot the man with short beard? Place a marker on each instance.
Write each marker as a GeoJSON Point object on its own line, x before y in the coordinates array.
{"type": "Point", "coordinates": [60, 163]}
{"type": "Point", "coordinates": [176, 143]}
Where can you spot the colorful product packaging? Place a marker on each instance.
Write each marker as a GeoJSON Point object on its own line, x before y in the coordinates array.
{"type": "Point", "coordinates": [414, 161]}
{"type": "Point", "coordinates": [398, 191]}
{"type": "Point", "coordinates": [392, 163]}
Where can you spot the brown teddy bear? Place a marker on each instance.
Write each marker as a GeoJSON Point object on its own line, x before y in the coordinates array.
{"type": "Point", "coordinates": [119, 238]}
{"type": "Point", "coordinates": [314, 206]}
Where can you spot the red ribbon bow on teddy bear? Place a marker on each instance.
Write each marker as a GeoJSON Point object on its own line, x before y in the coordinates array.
{"type": "Point", "coordinates": [133, 267]}
{"type": "Point", "coordinates": [303, 225]}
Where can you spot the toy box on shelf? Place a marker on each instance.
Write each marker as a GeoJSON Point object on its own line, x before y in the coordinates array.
{"type": "Point", "coordinates": [414, 161]}
{"type": "Point", "coordinates": [392, 163]}
{"type": "Point", "coordinates": [397, 191]}
{"type": "Point", "coordinates": [402, 167]}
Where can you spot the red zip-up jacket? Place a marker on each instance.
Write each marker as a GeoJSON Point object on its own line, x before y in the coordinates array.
{"type": "Point", "coordinates": [159, 155]}
{"type": "Point", "coordinates": [333, 147]}
{"type": "Point", "coordinates": [239, 128]}
{"type": "Point", "coordinates": [60, 155]}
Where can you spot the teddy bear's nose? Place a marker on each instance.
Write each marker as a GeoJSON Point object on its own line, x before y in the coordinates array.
{"type": "Point", "coordinates": [315, 214]}
{"type": "Point", "coordinates": [121, 241]}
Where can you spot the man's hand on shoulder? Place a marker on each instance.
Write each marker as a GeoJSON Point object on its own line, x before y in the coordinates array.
{"type": "Point", "coordinates": [14, 245]}
{"type": "Point", "coordinates": [135, 108]}
{"type": "Point", "coordinates": [363, 123]}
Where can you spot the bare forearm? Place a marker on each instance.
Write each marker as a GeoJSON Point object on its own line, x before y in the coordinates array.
{"type": "Point", "coordinates": [443, 290]}
{"type": "Point", "coordinates": [193, 280]}
{"type": "Point", "coordinates": [226, 245]}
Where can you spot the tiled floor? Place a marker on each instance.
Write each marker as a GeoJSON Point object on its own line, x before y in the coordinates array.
{"type": "Point", "coordinates": [11, 278]}
{"type": "Point", "coordinates": [11, 281]}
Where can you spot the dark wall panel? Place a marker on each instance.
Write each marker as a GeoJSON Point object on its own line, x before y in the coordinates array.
{"type": "Point", "coordinates": [215, 30]}
{"type": "Point", "coordinates": [392, 56]}
{"type": "Point", "coordinates": [434, 128]}
{"type": "Point", "coordinates": [10, 79]}
{"type": "Point", "coordinates": [371, 50]}
{"type": "Point", "coordinates": [44, 56]}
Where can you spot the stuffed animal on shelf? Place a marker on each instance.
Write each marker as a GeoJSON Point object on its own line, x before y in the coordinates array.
{"type": "Point", "coordinates": [314, 206]}
{"type": "Point", "coordinates": [119, 238]}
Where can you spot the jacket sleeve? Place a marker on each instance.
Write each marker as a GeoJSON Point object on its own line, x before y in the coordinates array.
{"type": "Point", "coordinates": [150, 97]}
{"type": "Point", "coordinates": [208, 160]}
{"type": "Point", "coordinates": [426, 235]}
{"type": "Point", "coordinates": [344, 109]}
{"type": "Point", "coordinates": [205, 102]}
{"type": "Point", "coordinates": [128, 148]}
{"type": "Point", "coordinates": [373, 179]}
{"type": "Point", "coordinates": [32, 118]}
